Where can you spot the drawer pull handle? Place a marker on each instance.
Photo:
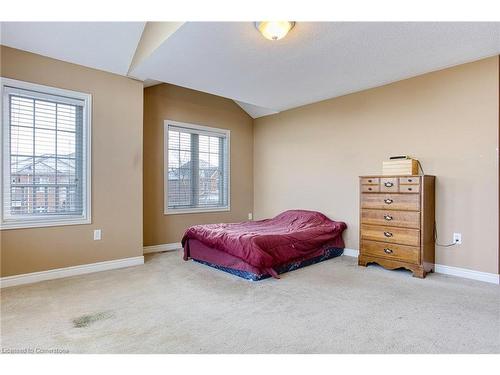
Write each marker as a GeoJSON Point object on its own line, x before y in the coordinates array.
{"type": "Point", "coordinates": [409, 189]}
{"type": "Point", "coordinates": [387, 251]}
{"type": "Point", "coordinates": [388, 201]}
{"type": "Point", "coordinates": [388, 184]}
{"type": "Point", "coordinates": [369, 180]}
{"type": "Point", "coordinates": [369, 188]}
{"type": "Point", "coordinates": [388, 234]}
{"type": "Point", "coordinates": [388, 217]}
{"type": "Point", "coordinates": [410, 180]}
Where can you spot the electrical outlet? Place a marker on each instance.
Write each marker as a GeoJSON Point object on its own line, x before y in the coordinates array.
{"type": "Point", "coordinates": [97, 235]}
{"type": "Point", "coordinates": [250, 216]}
{"type": "Point", "coordinates": [457, 238]}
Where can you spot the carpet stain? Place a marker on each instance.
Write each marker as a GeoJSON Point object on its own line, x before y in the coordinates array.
{"type": "Point", "coordinates": [86, 320]}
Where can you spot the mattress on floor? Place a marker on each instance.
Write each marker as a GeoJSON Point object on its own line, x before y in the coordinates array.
{"type": "Point", "coordinates": [267, 244]}
{"type": "Point", "coordinates": [201, 253]}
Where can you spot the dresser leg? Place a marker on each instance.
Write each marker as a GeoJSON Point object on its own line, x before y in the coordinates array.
{"type": "Point", "coordinates": [419, 272]}
{"type": "Point", "coordinates": [362, 261]}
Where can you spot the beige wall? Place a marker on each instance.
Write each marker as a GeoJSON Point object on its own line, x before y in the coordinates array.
{"type": "Point", "coordinates": [310, 157]}
{"type": "Point", "coordinates": [170, 102]}
{"type": "Point", "coordinates": [117, 104]}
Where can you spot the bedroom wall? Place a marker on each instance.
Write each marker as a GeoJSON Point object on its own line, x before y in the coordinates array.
{"type": "Point", "coordinates": [162, 102]}
{"type": "Point", "coordinates": [310, 157]}
{"type": "Point", "coordinates": [116, 171]}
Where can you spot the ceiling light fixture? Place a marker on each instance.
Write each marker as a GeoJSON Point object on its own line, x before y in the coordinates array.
{"type": "Point", "coordinates": [274, 30]}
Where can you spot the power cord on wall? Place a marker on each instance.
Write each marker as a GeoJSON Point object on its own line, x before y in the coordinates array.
{"type": "Point", "coordinates": [420, 165]}
{"type": "Point", "coordinates": [435, 226]}
{"type": "Point", "coordinates": [436, 241]}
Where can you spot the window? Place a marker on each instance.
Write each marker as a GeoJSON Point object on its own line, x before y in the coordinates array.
{"type": "Point", "coordinates": [45, 177]}
{"type": "Point", "coordinates": [196, 168]}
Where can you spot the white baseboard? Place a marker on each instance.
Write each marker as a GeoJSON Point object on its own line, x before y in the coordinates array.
{"type": "Point", "coordinates": [162, 247]}
{"type": "Point", "coordinates": [59, 273]}
{"type": "Point", "coordinates": [467, 274]}
{"type": "Point", "coordinates": [351, 252]}
{"type": "Point", "coordinates": [449, 270]}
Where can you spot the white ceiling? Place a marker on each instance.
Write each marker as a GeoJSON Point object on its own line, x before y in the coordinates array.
{"type": "Point", "coordinates": [254, 110]}
{"type": "Point", "coordinates": [107, 46]}
{"type": "Point", "coordinates": [316, 61]}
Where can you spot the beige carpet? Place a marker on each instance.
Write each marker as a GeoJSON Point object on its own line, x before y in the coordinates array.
{"type": "Point", "coordinates": [172, 306]}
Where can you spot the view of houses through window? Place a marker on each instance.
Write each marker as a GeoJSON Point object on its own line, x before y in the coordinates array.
{"type": "Point", "coordinates": [197, 169]}
{"type": "Point", "coordinates": [45, 161]}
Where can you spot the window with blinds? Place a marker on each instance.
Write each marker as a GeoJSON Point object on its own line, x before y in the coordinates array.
{"type": "Point", "coordinates": [45, 151]}
{"type": "Point", "coordinates": [196, 168]}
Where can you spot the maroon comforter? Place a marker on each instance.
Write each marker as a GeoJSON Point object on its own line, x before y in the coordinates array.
{"type": "Point", "coordinates": [267, 243]}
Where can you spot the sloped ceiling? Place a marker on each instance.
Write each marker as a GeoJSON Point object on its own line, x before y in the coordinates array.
{"type": "Point", "coordinates": [316, 61]}
{"type": "Point", "coordinates": [108, 46]}
{"type": "Point", "coordinates": [254, 110]}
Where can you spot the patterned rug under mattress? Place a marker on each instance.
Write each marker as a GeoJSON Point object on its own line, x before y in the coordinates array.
{"type": "Point", "coordinates": [328, 254]}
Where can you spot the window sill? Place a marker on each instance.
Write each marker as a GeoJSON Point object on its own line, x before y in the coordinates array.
{"type": "Point", "coordinates": [180, 211]}
{"type": "Point", "coordinates": [30, 224]}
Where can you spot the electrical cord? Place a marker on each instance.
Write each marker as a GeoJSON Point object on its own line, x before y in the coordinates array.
{"type": "Point", "coordinates": [435, 226]}
{"type": "Point", "coordinates": [420, 166]}
{"type": "Point", "coordinates": [436, 235]}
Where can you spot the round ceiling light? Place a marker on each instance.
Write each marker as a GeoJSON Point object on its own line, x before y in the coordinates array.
{"type": "Point", "coordinates": [274, 30]}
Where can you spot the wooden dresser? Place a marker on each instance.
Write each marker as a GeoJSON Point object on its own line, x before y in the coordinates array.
{"type": "Point", "coordinates": [397, 222]}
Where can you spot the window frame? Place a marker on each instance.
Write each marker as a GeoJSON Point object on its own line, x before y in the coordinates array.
{"type": "Point", "coordinates": [201, 129]}
{"type": "Point", "coordinates": [38, 221]}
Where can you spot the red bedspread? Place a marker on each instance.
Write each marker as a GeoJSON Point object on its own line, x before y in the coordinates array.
{"type": "Point", "coordinates": [267, 243]}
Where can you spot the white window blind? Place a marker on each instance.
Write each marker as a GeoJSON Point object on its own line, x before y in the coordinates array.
{"type": "Point", "coordinates": [197, 168]}
{"type": "Point", "coordinates": [45, 156]}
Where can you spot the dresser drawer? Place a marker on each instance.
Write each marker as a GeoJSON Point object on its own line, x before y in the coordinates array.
{"type": "Point", "coordinates": [389, 184]}
{"type": "Point", "coordinates": [409, 180]}
{"type": "Point", "coordinates": [409, 254]}
{"type": "Point", "coordinates": [401, 236]}
{"type": "Point", "coordinates": [370, 188]}
{"type": "Point", "coordinates": [409, 188]}
{"type": "Point", "coordinates": [407, 202]}
{"type": "Point", "coordinates": [370, 180]}
{"type": "Point", "coordinates": [405, 219]}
